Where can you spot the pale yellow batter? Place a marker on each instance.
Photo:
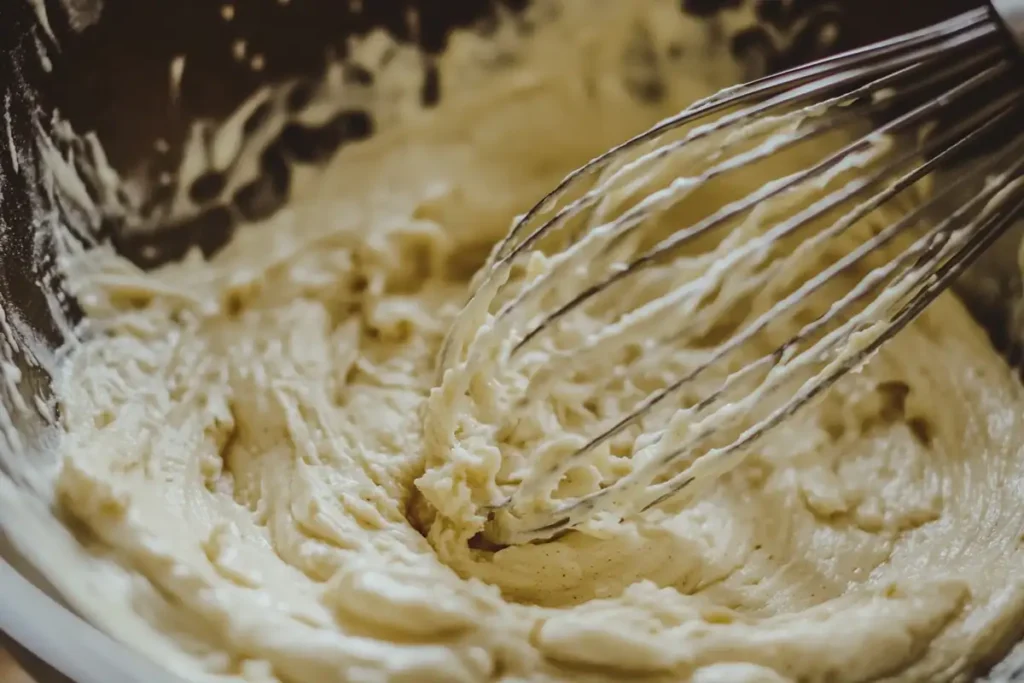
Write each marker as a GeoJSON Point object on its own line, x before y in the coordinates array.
{"type": "Point", "coordinates": [245, 459]}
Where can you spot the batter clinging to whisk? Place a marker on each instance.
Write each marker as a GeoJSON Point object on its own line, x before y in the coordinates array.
{"type": "Point", "coordinates": [648, 244]}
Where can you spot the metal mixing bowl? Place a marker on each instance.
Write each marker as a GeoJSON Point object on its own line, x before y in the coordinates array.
{"type": "Point", "coordinates": [103, 66]}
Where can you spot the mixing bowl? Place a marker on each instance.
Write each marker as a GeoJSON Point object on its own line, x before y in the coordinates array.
{"type": "Point", "coordinates": [102, 101]}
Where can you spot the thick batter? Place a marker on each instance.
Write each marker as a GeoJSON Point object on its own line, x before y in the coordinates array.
{"type": "Point", "coordinates": [247, 462]}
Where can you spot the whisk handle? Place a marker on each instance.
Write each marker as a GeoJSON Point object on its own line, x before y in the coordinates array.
{"type": "Point", "coordinates": [1011, 12]}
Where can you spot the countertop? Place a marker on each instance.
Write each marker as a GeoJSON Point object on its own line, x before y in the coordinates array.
{"type": "Point", "coordinates": [11, 672]}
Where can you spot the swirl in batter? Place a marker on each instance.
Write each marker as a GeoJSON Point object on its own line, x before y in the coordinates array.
{"type": "Point", "coordinates": [267, 490]}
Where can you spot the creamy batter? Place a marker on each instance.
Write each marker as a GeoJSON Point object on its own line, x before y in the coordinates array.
{"type": "Point", "coordinates": [265, 490]}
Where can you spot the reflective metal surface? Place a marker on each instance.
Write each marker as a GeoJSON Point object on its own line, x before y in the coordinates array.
{"type": "Point", "coordinates": [1012, 14]}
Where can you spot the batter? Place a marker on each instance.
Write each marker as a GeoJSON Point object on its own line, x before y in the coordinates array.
{"type": "Point", "coordinates": [264, 491]}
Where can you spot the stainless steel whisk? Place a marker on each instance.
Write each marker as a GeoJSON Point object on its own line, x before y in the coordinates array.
{"type": "Point", "coordinates": [944, 142]}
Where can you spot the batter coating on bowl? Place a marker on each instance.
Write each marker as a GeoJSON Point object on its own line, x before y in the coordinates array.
{"type": "Point", "coordinates": [266, 494]}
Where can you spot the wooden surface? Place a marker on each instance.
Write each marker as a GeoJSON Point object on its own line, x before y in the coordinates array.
{"type": "Point", "coordinates": [10, 672]}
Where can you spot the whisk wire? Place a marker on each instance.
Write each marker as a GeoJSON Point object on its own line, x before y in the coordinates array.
{"type": "Point", "coordinates": [940, 239]}
{"type": "Point", "coordinates": [931, 100]}
{"type": "Point", "coordinates": [683, 236]}
{"type": "Point", "coordinates": [959, 32]}
{"type": "Point", "coordinates": [859, 212]}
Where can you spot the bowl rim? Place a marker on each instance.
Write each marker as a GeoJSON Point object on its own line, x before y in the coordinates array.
{"type": "Point", "coordinates": [65, 641]}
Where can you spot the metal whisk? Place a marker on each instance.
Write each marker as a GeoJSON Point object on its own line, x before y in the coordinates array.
{"type": "Point", "coordinates": [623, 264]}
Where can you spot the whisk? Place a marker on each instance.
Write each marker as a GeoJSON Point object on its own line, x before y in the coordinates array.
{"type": "Point", "coordinates": [928, 126]}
